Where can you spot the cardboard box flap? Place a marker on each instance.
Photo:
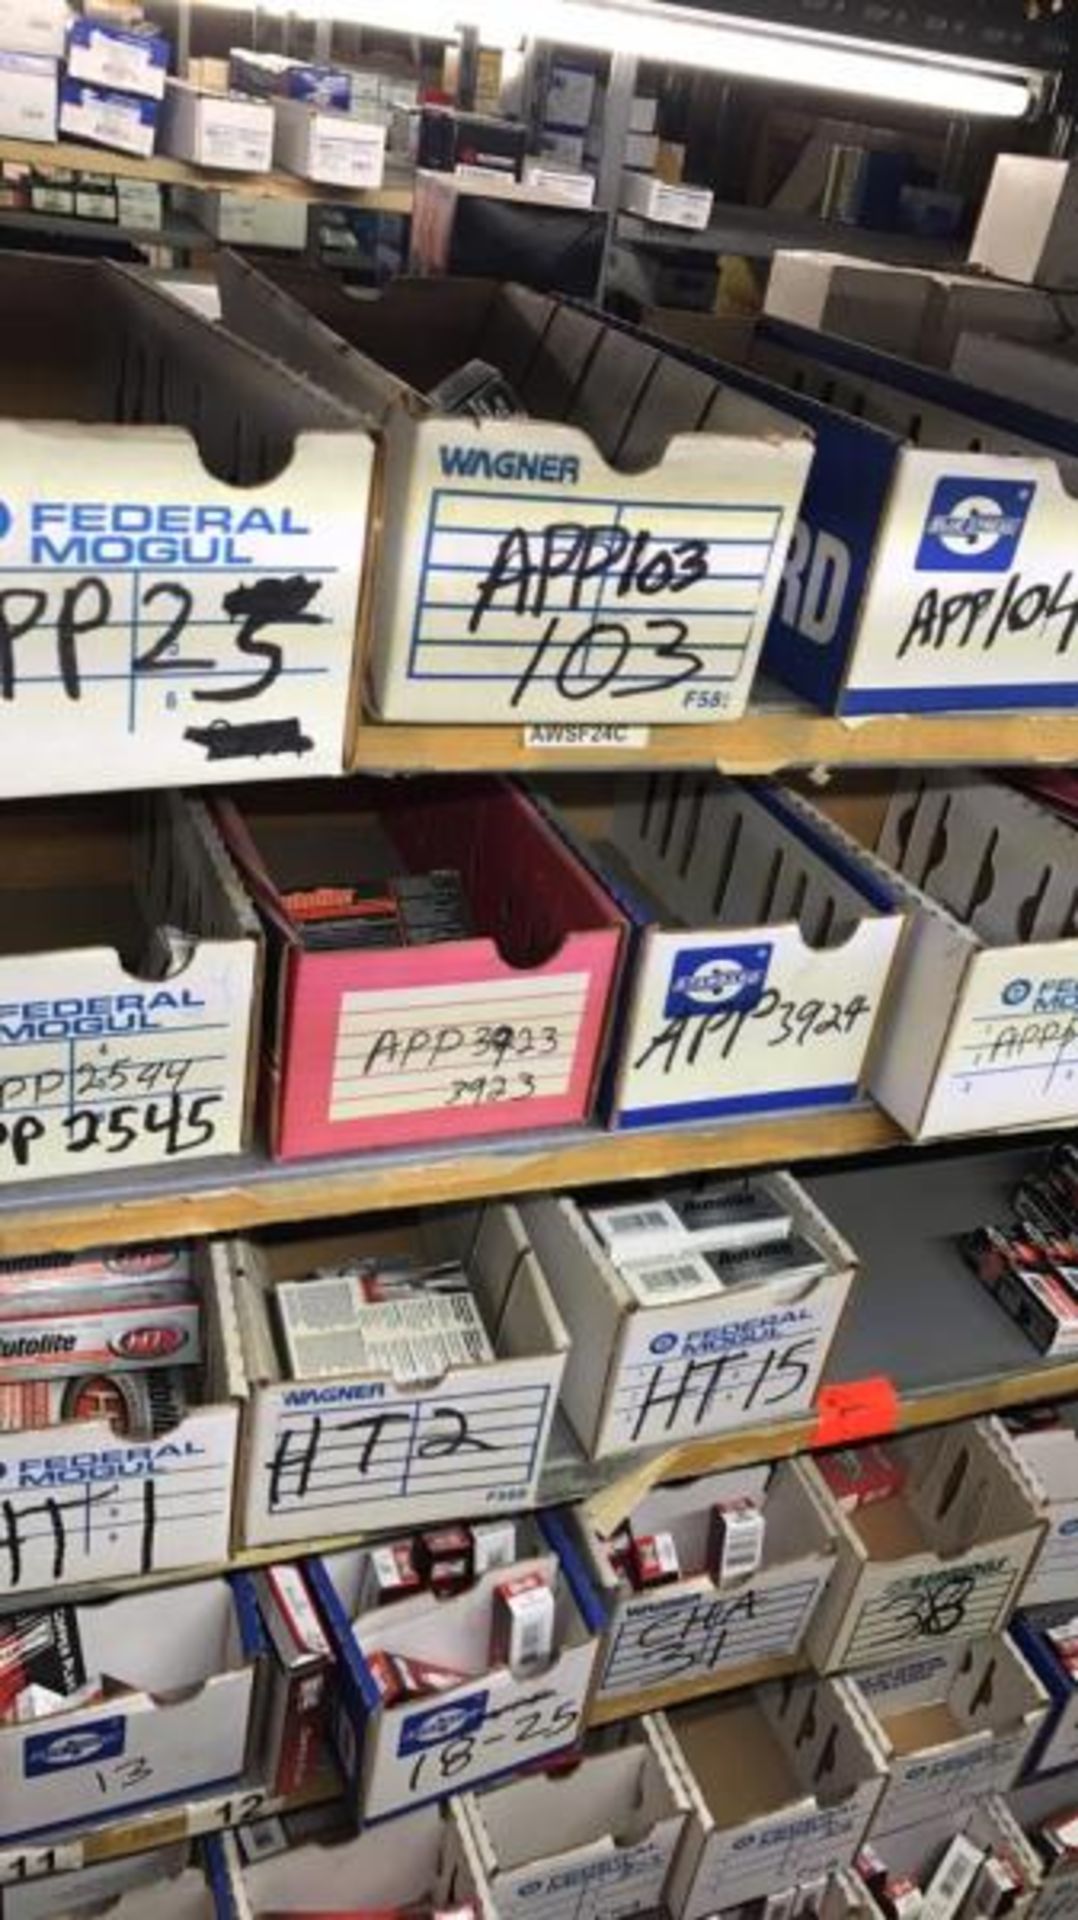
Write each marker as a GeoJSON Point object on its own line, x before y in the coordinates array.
{"type": "Point", "coordinates": [611, 389]}
{"type": "Point", "coordinates": [612, 1801]}
{"type": "Point", "coordinates": [829, 1742]}
{"type": "Point", "coordinates": [123, 1638]}
{"type": "Point", "coordinates": [338, 1871]}
{"type": "Point", "coordinates": [515, 326]}
{"type": "Point", "coordinates": [566, 352]}
{"type": "Point", "coordinates": [965, 1485]}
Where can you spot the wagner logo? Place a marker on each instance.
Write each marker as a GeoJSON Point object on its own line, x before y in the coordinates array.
{"type": "Point", "coordinates": [506, 463]}
{"type": "Point", "coordinates": [717, 979]}
{"type": "Point", "coordinates": [974, 525]}
{"type": "Point", "coordinates": [438, 1724]}
{"type": "Point", "coordinates": [55, 1752]}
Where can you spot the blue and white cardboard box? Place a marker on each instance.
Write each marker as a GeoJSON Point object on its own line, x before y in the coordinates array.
{"type": "Point", "coordinates": [165, 1884]}
{"type": "Point", "coordinates": [943, 1560]}
{"type": "Point", "coordinates": [1050, 1458]}
{"type": "Point", "coordinates": [614, 556]}
{"type": "Point", "coordinates": [596, 1843]}
{"type": "Point", "coordinates": [184, 1668]}
{"type": "Point", "coordinates": [426, 1862]}
{"type": "Point", "coordinates": [84, 1502]}
{"type": "Point", "coordinates": [397, 1757]}
{"type": "Point", "coordinates": [356, 1454]}
{"type": "Point", "coordinates": [129, 59]}
{"type": "Point", "coordinates": [784, 1781]}
{"type": "Point", "coordinates": [690, 1630]}
{"type": "Point", "coordinates": [930, 568]}
{"type": "Point", "coordinates": [124, 122]}
{"type": "Point", "coordinates": [199, 514]}
{"type": "Point", "coordinates": [763, 942]}
{"type": "Point", "coordinates": [982, 1033]}
{"type": "Point", "coordinates": [1057, 1747]}
{"type": "Point", "coordinates": [966, 599]}
{"type": "Point", "coordinates": [956, 1724]}
{"type": "Point", "coordinates": [699, 1367]}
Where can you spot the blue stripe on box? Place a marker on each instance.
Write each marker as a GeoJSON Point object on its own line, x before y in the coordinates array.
{"type": "Point", "coordinates": [552, 1525]}
{"type": "Point", "coordinates": [1046, 699]}
{"type": "Point", "coordinates": [792, 1101]}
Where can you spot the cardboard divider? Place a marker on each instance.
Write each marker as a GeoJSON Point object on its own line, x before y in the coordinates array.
{"type": "Point", "coordinates": [1050, 1458]}
{"type": "Point", "coordinates": [494, 1720]}
{"type": "Point", "coordinates": [429, 1864]}
{"type": "Point", "coordinates": [130, 976]}
{"type": "Point", "coordinates": [762, 945]}
{"type": "Point", "coordinates": [495, 1031]}
{"type": "Point", "coordinates": [336, 1454]}
{"type": "Point", "coordinates": [984, 1017]}
{"type": "Point", "coordinates": [613, 555]}
{"type": "Point", "coordinates": [941, 1560]}
{"type": "Point", "coordinates": [180, 511]}
{"type": "Point", "coordinates": [692, 1631]}
{"type": "Point", "coordinates": [178, 1720]}
{"type": "Point", "coordinates": [592, 1842]}
{"type": "Point", "coordinates": [644, 1376]}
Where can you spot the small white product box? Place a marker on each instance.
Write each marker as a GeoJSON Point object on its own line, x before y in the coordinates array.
{"type": "Point", "coordinates": [956, 1724]}
{"type": "Point", "coordinates": [245, 219]}
{"type": "Point", "coordinates": [493, 1720]}
{"type": "Point", "coordinates": [130, 988]}
{"type": "Point", "coordinates": [763, 944]}
{"type": "Point", "coordinates": [690, 1630]}
{"type": "Point", "coordinates": [34, 26]}
{"type": "Point", "coordinates": [29, 96]}
{"type": "Point", "coordinates": [332, 149]}
{"type": "Point", "coordinates": [984, 1015]}
{"type": "Point", "coordinates": [570, 96]}
{"type": "Point", "coordinates": [119, 1505]}
{"type": "Point", "coordinates": [595, 1843]}
{"type": "Point", "coordinates": [122, 122]}
{"type": "Point", "coordinates": [1026, 228]}
{"type": "Point", "coordinates": [666, 205]}
{"type": "Point", "coordinates": [192, 517]}
{"type": "Point", "coordinates": [217, 130]}
{"type": "Point", "coordinates": [354, 1453]}
{"type": "Point", "coordinates": [1050, 1458]}
{"type": "Point", "coordinates": [165, 1884]}
{"type": "Point", "coordinates": [784, 1781]}
{"type": "Point", "coordinates": [560, 183]}
{"type": "Point", "coordinates": [130, 59]}
{"type": "Point", "coordinates": [704, 1366]}
{"type": "Point", "coordinates": [428, 1865]}
{"type": "Point", "coordinates": [944, 1559]}
{"type": "Point", "coordinates": [186, 1668]}
{"type": "Point", "coordinates": [668, 481]}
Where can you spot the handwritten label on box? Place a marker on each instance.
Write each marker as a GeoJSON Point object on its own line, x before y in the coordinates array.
{"type": "Point", "coordinates": [456, 1045]}
{"type": "Point", "coordinates": [960, 1601]}
{"type": "Point", "coordinates": [1012, 1054]}
{"type": "Point", "coordinates": [689, 1636]}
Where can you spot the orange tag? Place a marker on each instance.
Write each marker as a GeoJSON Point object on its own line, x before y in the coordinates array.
{"type": "Point", "coordinates": [856, 1410]}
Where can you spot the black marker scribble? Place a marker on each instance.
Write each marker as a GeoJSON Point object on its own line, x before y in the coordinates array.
{"type": "Point", "coordinates": [14, 1518]}
{"type": "Point", "coordinates": [265, 603]}
{"type": "Point", "coordinates": [224, 740]}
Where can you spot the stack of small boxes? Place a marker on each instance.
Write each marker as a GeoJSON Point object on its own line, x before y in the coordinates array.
{"type": "Point", "coordinates": [114, 80]}
{"type": "Point", "coordinates": [31, 43]}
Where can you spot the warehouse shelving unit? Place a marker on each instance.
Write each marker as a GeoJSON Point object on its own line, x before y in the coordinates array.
{"type": "Point", "coordinates": [395, 196]}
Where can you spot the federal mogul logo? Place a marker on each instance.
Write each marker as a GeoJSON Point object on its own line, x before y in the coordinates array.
{"type": "Point", "coordinates": [717, 979]}
{"type": "Point", "coordinates": [133, 533]}
{"type": "Point", "coordinates": [974, 525]}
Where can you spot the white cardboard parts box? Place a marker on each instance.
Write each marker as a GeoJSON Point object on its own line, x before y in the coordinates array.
{"type": "Point", "coordinates": [706, 1366]}
{"type": "Point", "coordinates": [763, 943]}
{"type": "Point", "coordinates": [84, 1502]}
{"type": "Point", "coordinates": [339, 1455]}
{"type": "Point", "coordinates": [29, 95]}
{"type": "Point", "coordinates": [183, 535]}
{"type": "Point", "coordinates": [130, 986]}
{"type": "Point", "coordinates": [1026, 228]}
{"type": "Point", "coordinates": [334, 149]}
{"type": "Point", "coordinates": [665, 204]}
{"type": "Point", "coordinates": [614, 556]}
{"type": "Point", "coordinates": [956, 1724]}
{"type": "Point", "coordinates": [219, 130]}
{"type": "Point", "coordinates": [942, 1560]}
{"type": "Point", "coordinates": [245, 219]}
{"type": "Point", "coordinates": [984, 1016]}
{"type": "Point", "coordinates": [428, 1865]}
{"type": "Point", "coordinates": [784, 1781]}
{"type": "Point", "coordinates": [34, 26]}
{"type": "Point", "coordinates": [596, 1842]}
{"type": "Point", "coordinates": [688, 1631]}
{"type": "Point", "coordinates": [494, 1720]}
{"type": "Point", "coordinates": [139, 1744]}
{"type": "Point", "coordinates": [1050, 1458]}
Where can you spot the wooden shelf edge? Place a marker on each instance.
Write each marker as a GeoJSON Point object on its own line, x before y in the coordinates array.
{"type": "Point", "coordinates": [628, 1706]}
{"type": "Point", "coordinates": [66, 1222]}
{"type": "Point", "coordinates": [763, 742]}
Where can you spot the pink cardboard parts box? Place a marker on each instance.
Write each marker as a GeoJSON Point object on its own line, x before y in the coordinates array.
{"type": "Point", "coordinates": [381, 1047]}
